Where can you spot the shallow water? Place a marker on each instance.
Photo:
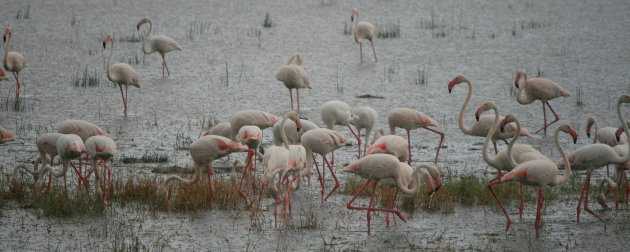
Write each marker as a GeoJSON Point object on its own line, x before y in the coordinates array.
{"type": "Point", "coordinates": [580, 45]}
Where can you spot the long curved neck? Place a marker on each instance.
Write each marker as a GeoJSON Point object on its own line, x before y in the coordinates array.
{"type": "Point", "coordinates": [356, 28]}
{"type": "Point", "coordinates": [494, 162]}
{"type": "Point", "coordinates": [283, 135]}
{"type": "Point", "coordinates": [509, 157]}
{"type": "Point", "coordinates": [595, 134]}
{"type": "Point", "coordinates": [567, 166]}
{"type": "Point", "coordinates": [145, 38]}
{"type": "Point", "coordinates": [625, 128]}
{"type": "Point", "coordinates": [526, 99]}
{"type": "Point", "coordinates": [463, 127]}
{"type": "Point", "coordinates": [6, 50]}
{"type": "Point", "coordinates": [413, 187]}
{"type": "Point", "coordinates": [109, 61]}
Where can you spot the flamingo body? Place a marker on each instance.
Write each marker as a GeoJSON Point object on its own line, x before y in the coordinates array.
{"type": "Point", "coordinates": [5, 135]}
{"type": "Point", "coordinates": [251, 117]}
{"type": "Point", "coordinates": [81, 128]}
{"type": "Point", "coordinates": [222, 129]}
{"type": "Point", "coordinates": [410, 119]}
{"type": "Point", "coordinates": [158, 43]}
{"type": "Point", "coordinates": [391, 144]}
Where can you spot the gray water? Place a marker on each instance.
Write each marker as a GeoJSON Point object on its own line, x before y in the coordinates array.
{"type": "Point", "coordinates": [582, 45]}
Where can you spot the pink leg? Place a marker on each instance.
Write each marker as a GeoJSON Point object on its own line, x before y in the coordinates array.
{"type": "Point", "coordinates": [330, 167]}
{"type": "Point", "coordinates": [579, 206]}
{"type": "Point", "coordinates": [297, 96]}
{"type": "Point", "coordinates": [165, 66]}
{"type": "Point", "coordinates": [291, 96]}
{"type": "Point", "coordinates": [625, 176]}
{"type": "Point", "coordinates": [358, 137]}
{"type": "Point", "coordinates": [210, 172]}
{"type": "Point", "coordinates": [520, 205]}
{"type": "Point", "coordinates": [541, 199]}
{"type": "Point", "coordinates": [246, 170]}
{"type": "Point", "coordinates": [17, 85]}
{"type": "Point", "coordinates": [388, 196]}
{"type": "Point", "coordinates": [351, 207]}
{"type": "Point", "coordinates": [507, 217]}
{"type": "Point", "coordinates": [319, 177]}
{"type": "Point", "coordinates": [586, 208]}
{"type": "Point", "coordinates": [371, 205]}
{"type": "Point", "coordinates": [124, 101]}
{"type": "Point", "coordinates": [323, 177]}
{"type": "Point", "coordinates": [496, 151]}
{"type": "Point", "coordinates": [440, 145]}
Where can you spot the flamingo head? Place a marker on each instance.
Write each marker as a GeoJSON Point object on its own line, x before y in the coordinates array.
{"type": "Point", "coordinates": [144, 20]}
{"type": "Point", "coordinates": [355, 13]}
{"type": "Point", "coordinates": [106, 40]}
{"type": "Point", "coordinates": [455, 81]}
{"type": "Point", "coordinates": [508, 119]}
{"type": "Point", "coordinates": [618, 133]}
{"type": "Point", "coordinates": [352, 168]}
{"type": "Point", "coordinates": [484, 107]}
{"type": "Point", "coordinates": [624, 99]}
{"type": "Point", "coordinates": [433, 180]}
{"type": "Point", "coordinates": [294, 116]}
{"type": "Point", "coordinates": [7, 32]}
{"type": "Point", "coordinates": [589, 123]}
{"type": "Point", "coordinates": [519, 74]}
{"type": "Point", "coordinates": [568, 129]}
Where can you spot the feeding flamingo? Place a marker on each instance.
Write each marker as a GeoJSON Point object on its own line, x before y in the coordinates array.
{"type": "Point", "coordinates": [390, 144]}
{"type": "Point", "coordinates": [387, 169]}
{"type": "Point", "coordinates": [120, 73]}
{"type": "Point", "coordinates": [251, 117]}
{"type": "Point", "coordinates": [482, 126]}
{"type": "Point", "coordinates": [101, 148]}
{"type": "Point", "coordinates": [222, 129]}
{"type": "Point", "coordinates": [69, 147]}
{"type": "Point", "coordinates": [203, 151]}
{"type": "Point", "coordinates": [364, 118]}
{"type": "Point", "coordinates": [322, 141]}
{"type": "Point", "coordinates": [410, 119]}
{"type": "Point", "coordinates": [338, 113]}
{"type": "Point", "coordinates": [5, 135]}
{"type": "Point", "coordinates": [593, 156]}
{"type": "Point", "coordinates": [13, 61]}
{"type": "Point", "coordinates": [538, 173]}
{"type": "Point", "coordinates": [159, 43]}
{"type": "Point", "coordinates": [293, 133]}
{"type": "Point", "coordinates": [363, 31]}
{"type": "Point", "coordinates": [46, 146]}
{"type": "Point", "coordinates": [539, 89]}
{"type": "Point", "coordinates": [84, 130]}
{"type": "Point", "coordinates": [251, 136]}
{"type": "Point", "coordinates": [294, 76]}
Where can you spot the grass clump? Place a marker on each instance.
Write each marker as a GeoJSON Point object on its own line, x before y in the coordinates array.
{"type": "Point", "coordinates": [147, 157]}
{"type": "Point", "coordinates": [388, 30]}
{"type": "Point", "coordinates": [197, 28]}
{"type": "Point", "coordinates": [267, 22]}
{"type": "Point", "coordinates": [87, 79]}
{"type": "Point", "coordinates": [61, 204]}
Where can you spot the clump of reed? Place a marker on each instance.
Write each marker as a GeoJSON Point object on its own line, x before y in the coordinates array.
{"type": "Point", "coordinates": [87, 79]}
{"type": "Point", "coordinates": [147, 157]}
{"type": "Point", "coordinates": [388, 29]}
{"type": "Point", "coordinates": [267, 22]}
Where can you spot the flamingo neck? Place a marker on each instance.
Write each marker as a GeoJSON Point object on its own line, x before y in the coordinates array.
{"type": "Point", "coordinates": [494, 162]}
{"type": "Point", "coordinates": [356, 28]}
{"type": "Point", "coordinates": [5, 61]}
{"type": "Point", "coordinates": [510, 158]}
{"type": "Point", "coordinates": [526, 98]}
{"type": "Point", "coordinates": [625, 128]}
{"type": "Point", "coordinates": [414, 186]}
{"type": "Point", "coordinates": [596, 130]}
{"type": "Point", "coordinates": [109, 61]}
{"type": "Point", "coordinates": [283, 135]}
{"type": "Point", "coordinates": [145, 39]}
{"type": "Point", "coordinates": [567, 166]}
{"type": "Point", "coordinates": [463, 127]}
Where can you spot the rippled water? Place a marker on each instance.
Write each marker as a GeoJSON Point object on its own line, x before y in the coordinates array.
{"type": "Point", "coordinates": [228, 63]}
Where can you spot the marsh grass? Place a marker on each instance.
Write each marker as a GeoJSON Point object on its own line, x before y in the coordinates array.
{"type": "Point", "coordinates": [147, 157]}
{"type": "Point", "coordinates": [182, 141]}
{"type": "Point", "coordinates": [267, 22]}
{"type": "Point", "coordinates": [197, 28]}
{"type": "Point", "coordinates": [388, 29]}
{"type": "Point", "coordinates": [87, 79]}
{"type": "Point", "coordinates": [422, 76]}
{"type": "Point", "coordinates": [15, 105]}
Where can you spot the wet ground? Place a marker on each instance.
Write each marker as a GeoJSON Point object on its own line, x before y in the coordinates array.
{"type": "Point", "coordinates": [228, 63]}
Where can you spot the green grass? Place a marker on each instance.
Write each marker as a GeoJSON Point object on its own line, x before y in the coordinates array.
{"type": "Point", "coordinates": [87, 79]}
{"type": "Point", "coordinates": [147, 157]}
{"type": "Point", "coordinates": [267, 22]}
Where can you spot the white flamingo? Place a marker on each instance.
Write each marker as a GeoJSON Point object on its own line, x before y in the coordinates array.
{"type": "Point", "coordinates": [410, 119]}
{"type": "Point", "coordinates": [69, 147]}
{"type": "Point", "coordinates": [13, 61]}
{"type": "Point", "coordinates": [159, 43]}
{"type": "Point", "coordinates": [292, 132]}
{"type": "Point", "coordinates": [251, 136]}
{"type": "Point", "coordinates": [338, 113]}
{"type": "Point", "coordinates": [365, 118]}
{"type": "Point", "coordinates": [363, 31]}
{"type": "Point", "coordinates": [101, 148]}
{"type": "Point", "coordinates": [294, 76]}
{"type": "Point", "coordinates": [120, 73]}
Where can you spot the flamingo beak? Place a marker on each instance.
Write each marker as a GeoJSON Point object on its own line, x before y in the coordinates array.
{"type": "Point", "coordinates": [573, 135]}
{"type": "Point", "coordinates": [516, 80]}
{"type": "Point", "coordinates": [298, 125]}
{"type": "Point", "coordinates": [479, 111]}
{"type": "Point", "coordinates": [618, 133]}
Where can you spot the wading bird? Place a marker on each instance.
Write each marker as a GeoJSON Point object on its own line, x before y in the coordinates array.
{"type": "Point", "coordinates": [294, 76]}
{"type": "Point", "coordinates": [410, 119]}
{"type": "Point", "coordinates": [101, 148]}
{"type": "Point", "coordinates": [13, 61]}
{"type": "Point", "coordinates": [69, 147]}
{"type": "Point", "coordinates": [363, 31]}
{"type": "Point", "coordinates": [364, 118]}
{"type": "Point", "coordinates": [120, 73]}
{"type": "Point", "coordinates": [159, 43]}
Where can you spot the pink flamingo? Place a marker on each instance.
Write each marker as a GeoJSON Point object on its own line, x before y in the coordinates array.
{"type": "Point", "coordinates": [364, 118]}
{"type": "Point", "coordinates": [69, 147]}
{"type": "Point", "coordinates": [482, 126]}
{"type": "Point", "coordinates": [46, 146]}
{"type": "Point", "coordinates": [159, 43]}
{"type": "Point", "coordinates": [387, 169]}
{"type": "Point", "coordinates": [120, 73]}
{"type": "Point", "coordinates": [538, 173]}
{"type": "Point", "coordinates": [222, 129]}
{"type": "Point", "coordinates": [251, 136]}
{"type": "Point", "coordinates": [363, 31]}
{"type": "Point", "coordinates": [84, 130]}
{"type": "Point", "coordinates": [539, 89]}
{"type": "Point", "coordinates": [101, 148]}
{"type": "Point", "coordinates": [251, 117]}
{"type": "Point", "coordinates": [593, 156]}
{"type": "Point", "coordinates": [410, 119]}
{"type": "Point", "coordinates": [294, 76]}
{"type": "Point", "coordinates": [203, 151]}
{"type": "Point", "coordinates": [620, 174]}
{"type": "Point", "coordinates": [390, 144]}
{"type": "Point", "coordinates": [291, 131]}
{"type": "Point", "coordinates": [605, 135]}
{"type": "Point", "coordinates": [13, 61]}
{"type": "Point", "coordinates": [519, 153]}
{"type": "Point", "coordinates": [5, 135]}
{"type": "Point", "coordinates": [322, 141]}
{"type": "Point", "coordinates": [338, 113]}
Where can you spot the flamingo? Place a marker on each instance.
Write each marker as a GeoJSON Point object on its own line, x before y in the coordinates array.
{"type": "Point", "coordinates": [293, 133]}
{"type": "Point", "coordinates": [482, 126]}
{"type": "Point", "coordinates": [5, 135]}
{"type": "Point", "coordinates": [159, 43]}
{"type": "Point", "coordinates": [620, 170]}
{"type": "Point", "coordinates": [362, 31]}
{"type": "Point", "coordinates": [13, 61]}
{"type": "Point", "coordinates": [364, 118]}
{"type": "Point", "coordinates": [69, 147]}
{"type": "Point", "coordinates": [203, 151]}
{"type": "Point", "coordinates": [84, 130]}
{"type": "Point", "coordinates": [46, 146]}
{"type": "Point", "coordinates": [539, 89]}
{"type": "Point", "coordinates": [601, 197]}
{"type": "Point", "coordinates": [120, 73]}
{"type": "Point", "coordinates": [390, 144]}
{"type": "Point", "coordinates": [410, 119]}
{"type": "Point", "coordinates": [322, 141]}
{"type": "Point", "coordinates": [251, 136]}
{"type": "Point", "coordinates": [294, 76]}
{"type": "Point", "coordinates": [387, 169]}
{"type": "Point", "coordinates": [222, 129]}
{"type": "Point", "coordinates": [593, 156]}
{"type": "Point", "coordinates": [538, 173]}
{"type": "Point", "coordinates": [251, 117]}
{"type": "Point", "coordinates": [103, 148]}
{"type": "Point", "coordinates": [605, 135]}
{"type": "Point", "coordinates": [283, 160]}
{"type": "Point", "coordinates": [519, 152]}
{"type": "Point", "coordinates": [338, 113]}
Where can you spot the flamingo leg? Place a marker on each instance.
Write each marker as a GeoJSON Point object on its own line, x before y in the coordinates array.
{"type": "Point", "coordinates": [579, 206]}
{"type": "Point", "coordinates": [388, 196]}
{"type": "Point", "coordinates": [409, 146]}
{"type": "Point", "coordinates": [244, 174]}
{"type": "Point", "coordinates": [330, 167]}
{"type": "Point", "coordinates": [374, 51]}
{"type": "Point", "coordinates": [586, 208]}
{"type": "Point", "coordinates": [554, 114]}
{"type": "Point", "coordinates": [210, 172]}
{"type": "Point", "coordinates": [371, 205]}
{"type": "Point", "coordinates": [319, 177]}
{"type": "Point", "coordinates": [627, 187]}
{"type": "Point", "coordinates": [437, 154]}
{"type": "Point", "coordinates": [541, 199]}
{"type": "Point", "coordinates": [297, 96]}
{"type": "Point", "coordinates": [520, 205]}
{"type": "Point", "coordinates": [507, 217]}
{"type": "Point", "coordinates": [361, 51]}
{"type": "Point", "coordinates": [165, 66]}
{"type": "Point", "coordinates": [361, 189]}
{"type": "Point", "coordinates": [17, 85]}
{"type": "Point", "coordinates": [357, 135]}
{"type": "Point", "coordinates": [323, 177]}
{"type": "Point", "coordinates": [123, 98]}
{"type": "Point", "coordinates": [291, 96]}
{"type": "Point", "coordinates": [126, 98]}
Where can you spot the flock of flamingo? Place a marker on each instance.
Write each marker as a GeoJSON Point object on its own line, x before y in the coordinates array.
{"type": "Point", "coordinates": [386, 159]}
